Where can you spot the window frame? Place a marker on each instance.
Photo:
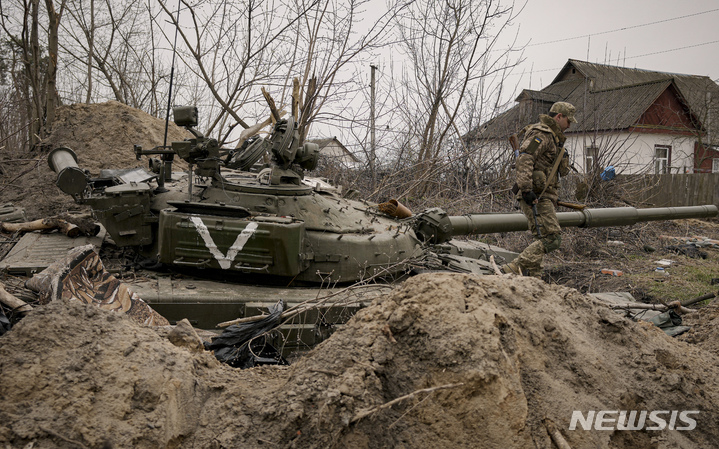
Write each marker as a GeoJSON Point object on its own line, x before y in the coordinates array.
{"type": "Point", "coordinates": [591, 156]}
{"type": "Point", "coordinates": [662, 164]}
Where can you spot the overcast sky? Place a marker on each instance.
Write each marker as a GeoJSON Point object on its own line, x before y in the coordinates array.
{"type": "Point", "coordinates": [662, 35]}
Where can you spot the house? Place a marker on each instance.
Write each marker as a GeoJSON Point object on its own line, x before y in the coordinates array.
{"type": "Point", "coordinates": [332, 151]}
{"type": "Point", "coordinates": [638, 121]}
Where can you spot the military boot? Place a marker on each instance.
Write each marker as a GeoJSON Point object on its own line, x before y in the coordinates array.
{"type": "Point", "coordinates": [511, 268]}
{"type": "Point", "coordinates": [535, 273]}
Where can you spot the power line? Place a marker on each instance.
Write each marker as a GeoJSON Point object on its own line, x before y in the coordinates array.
{"type": "Point", "coordinates": [631, 57]}
{"type": "Point", "coordinates": [673, 49]}
{"type": "Point", "coordinates": [624, 28]}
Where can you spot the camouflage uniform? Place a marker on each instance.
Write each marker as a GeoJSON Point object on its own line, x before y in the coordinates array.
{"type": "Point", "coordinates": [538, 152]}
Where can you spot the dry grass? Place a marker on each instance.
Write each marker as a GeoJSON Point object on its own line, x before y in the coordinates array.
{"type": "Point", "coordinates": [585, 252]}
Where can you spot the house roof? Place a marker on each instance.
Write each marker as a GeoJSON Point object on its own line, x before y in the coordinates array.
{"type": "Point", "coordinates": [324, 142]}
{"type": "Point", "coordinates": [331, 142]}
{"type": "Point", "coordinates": [619, 107]}
{"type": "Point", "coordinates": [608, 98]}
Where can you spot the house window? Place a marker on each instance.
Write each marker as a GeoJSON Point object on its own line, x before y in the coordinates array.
{"type": "Point", "coordinates": [662, 157]}
{"type": "Point", "coordinates": [591, 159]}
{"type": "Point", "coordinates": [715, 165]}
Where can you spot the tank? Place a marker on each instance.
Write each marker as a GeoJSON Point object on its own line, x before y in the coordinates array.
{"type": "Point", "coordinates": [247, 218]}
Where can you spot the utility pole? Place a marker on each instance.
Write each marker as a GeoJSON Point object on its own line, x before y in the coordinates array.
{"type": "Point", "coordinates": [373, 149]}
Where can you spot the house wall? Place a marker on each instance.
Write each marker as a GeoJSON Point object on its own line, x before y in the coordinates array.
{"type": "Point", "coordinates": [704, 158]}
{"type": "Point", "coordinates": [633, 152]}
{"type": "Point", "coordinates": [333, 151]}
{"type": "Point", "coordinates": [667, 112]}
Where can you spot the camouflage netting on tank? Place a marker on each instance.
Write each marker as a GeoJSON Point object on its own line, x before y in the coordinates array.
{"type": "Point", "coordinates": [82, 277]}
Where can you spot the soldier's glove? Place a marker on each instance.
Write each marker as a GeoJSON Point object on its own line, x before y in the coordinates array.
{"type": "Point", "coordinates": [529, 197]}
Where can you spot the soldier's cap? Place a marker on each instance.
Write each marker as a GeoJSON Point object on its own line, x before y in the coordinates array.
{"type": "Point", "coordinates": [566, 109]}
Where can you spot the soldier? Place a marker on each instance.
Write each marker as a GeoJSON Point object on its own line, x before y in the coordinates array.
{"type": "Point", "coordinates": [541, 157]}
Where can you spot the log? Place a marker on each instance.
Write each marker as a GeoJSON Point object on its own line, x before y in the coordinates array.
{"type": "Point", "coordinates": [271, 104]}
{"type": "Point", "coordinates": [496, 269]}
{"type": "Point", "coordinates": [574, 206]}
{"type": "Point", "coordinates": [555, 434]}
{"type": "Point", "coordinates": [15, 303]}
{"type": "Point", "coordinates": [66, 227]}
{"type": "Point", "coordinates": [256, 128]}
{"type": "Point", "coordinates": [295, 97]}
{"type": "Point", "coordinates": [660, 307]}
{"type": "Point", "coordinates": [689, 302]}
{"type": "Point", "coordinates": [87, 225]}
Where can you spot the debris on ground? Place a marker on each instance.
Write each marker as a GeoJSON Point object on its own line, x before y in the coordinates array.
{"type": "Point", "coordinates": [696, 241]}
{"type": "Point", "coordinates": [688, 250]}
{"type": "Point", "coordinates": [11, 214]}
{"type": "Point", "coordinates": [670, 322]}
{"type": "Point", "coordinates": [244, 345]}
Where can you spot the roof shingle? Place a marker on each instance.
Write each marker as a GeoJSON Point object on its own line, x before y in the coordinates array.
{"type": "Point", "coordinates": [607, 98]}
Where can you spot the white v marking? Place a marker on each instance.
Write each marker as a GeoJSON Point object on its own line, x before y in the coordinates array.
{"type": "Point", "coordinates": [225, 261]}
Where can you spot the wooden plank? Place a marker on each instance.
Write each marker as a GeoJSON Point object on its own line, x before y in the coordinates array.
{"type": "Point", "coordinates": [681, 189]}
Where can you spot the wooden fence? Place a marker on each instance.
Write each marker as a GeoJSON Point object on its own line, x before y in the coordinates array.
{"type": "Point", "coordinates": [671, 190]}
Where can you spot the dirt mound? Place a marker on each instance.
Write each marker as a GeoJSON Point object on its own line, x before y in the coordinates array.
{"type": "Point", "coordinates": [102, 135]}
{"type": "Point", "coordinates": [705, 328]}
{"type": "Point", "coordinates": [472, 362]}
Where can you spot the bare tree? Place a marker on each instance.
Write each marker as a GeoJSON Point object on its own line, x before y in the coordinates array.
{"type": "Point", "coordinates": [327, 41]}
{"type": "Point", "coordinates": [33, 43]}
{"type": "Point", "coordinates": [246, 46]}
{"type": "Point", "coordinates": [20, 23]}
{"type": "Point", "coordinates": [451, 46]}
{"type": "Point", "coordinates": [52, 97]}
{"type": "Point", "coordinates": [115, 44]}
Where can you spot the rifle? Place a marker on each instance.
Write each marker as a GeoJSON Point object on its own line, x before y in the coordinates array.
{"type": "Point", "coordinates": [536, 221]}
{"type": "Point", "coordinates": [574, 206]}
{"type": "Point", "coordinates": [514, 141]}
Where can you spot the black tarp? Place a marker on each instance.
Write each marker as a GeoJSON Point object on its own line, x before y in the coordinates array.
{"type": "Point", "coordinates": [245, 345]}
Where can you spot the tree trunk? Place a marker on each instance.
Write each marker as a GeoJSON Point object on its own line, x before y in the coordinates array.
{"type": "Point", "coordinates": [10, 300]}
{"type": "Point", "coordinates": [51, 95]}
{"type": "Point", "coordinates": [90, 50]}
{"type": "Point", "coordinates": [32, 65]}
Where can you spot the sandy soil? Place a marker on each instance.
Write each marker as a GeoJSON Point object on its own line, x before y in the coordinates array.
{"type": "Point", "coordinates": [101, 135]}
{"type": "Point", "coordinates": [509, 353]}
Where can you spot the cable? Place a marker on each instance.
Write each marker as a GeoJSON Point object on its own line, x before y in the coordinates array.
{"type": "Point", "coordinates": [624, 28]}
{"type": "Point", "coordinates": [673, 49]}
{"type": "Point", "coordinates": [633, 57]}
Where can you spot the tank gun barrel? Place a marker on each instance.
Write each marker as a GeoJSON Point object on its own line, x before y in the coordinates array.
{"type": "Point", "coordinates": [435, 226]}
{"type": "Point", "coordinates": [587, 218]}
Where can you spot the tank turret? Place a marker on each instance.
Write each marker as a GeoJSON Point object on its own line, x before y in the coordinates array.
{"type": "Point", "coordinates": [267, 222]}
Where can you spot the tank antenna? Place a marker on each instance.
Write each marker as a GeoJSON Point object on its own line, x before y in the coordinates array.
{"type": "Point", "coordinates": [169, 157]}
